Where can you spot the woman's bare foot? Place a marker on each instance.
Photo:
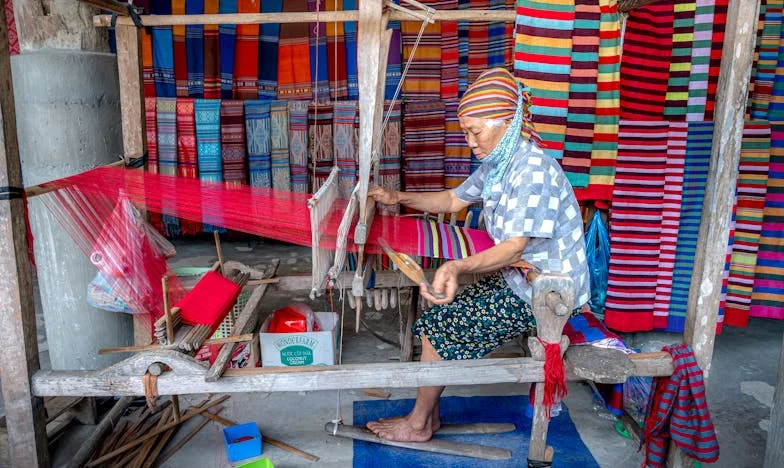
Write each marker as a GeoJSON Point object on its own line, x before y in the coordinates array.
{"type": "Point", "coordinates": [401, 429]}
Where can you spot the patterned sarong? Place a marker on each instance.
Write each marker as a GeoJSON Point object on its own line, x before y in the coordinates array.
{"type": "Point", "coordinates": [294, 77]}
{"type": "Point", "coordinates": [194, 46]}
{"type": "Point", "coordinates": [350, 31]}
{"type": "Point", "coordinates": [246, 54]}
{"type": "Point", "coordinates": [180, 51]}
{"type": "Point", "coordinates": [320, 142]}
{"type": "Point", "coordinates": [187, 163]}
{"type": "Point", "coordinates": [268, 52]}
{"type": "Point", "coordinates": [635, 227]}
{"type": "Point", "coordinates": [318, 54]}
{"type": "Point", "coordinates": [279, 145]}
{"type": "Point", "coordinates": [211, 54]}
{"type": "Point", "coordinates": [298, 145]}
{"type": "Point", "coordinates": [227, 34]}
{"type": "Point", "coordinates": [163, 53]}
{"type": "Point", "coordinates": [257, 134]}
{"type": "Point", "coordinates": [167, 151]}
{"type": "Point", "coordinates": [752, 185]}
{"type": "Point", "coordinates": [423, 146]}
{"type": "Point", "coordinates": [208, 146]}
{"type": "Point", "coordinates": [345, 146]}
{"type": "Point", "coordinates": [232, 131]}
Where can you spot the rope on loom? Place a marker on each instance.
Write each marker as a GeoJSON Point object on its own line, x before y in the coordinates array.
{"type": "Point", "coordinates": [338, 413]}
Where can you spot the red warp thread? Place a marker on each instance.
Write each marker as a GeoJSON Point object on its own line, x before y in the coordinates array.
{"type": "Point", "coordinates": [554, 375]}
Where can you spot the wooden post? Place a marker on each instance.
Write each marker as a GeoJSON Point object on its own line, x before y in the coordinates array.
{"type": "Point", "coordinates": [774, 454]}
{"type": "Point", "coordinates": [24, 413]}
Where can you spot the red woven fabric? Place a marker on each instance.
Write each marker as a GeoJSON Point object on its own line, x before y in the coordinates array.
{"type": "Point", "coordinates": [209, 301]}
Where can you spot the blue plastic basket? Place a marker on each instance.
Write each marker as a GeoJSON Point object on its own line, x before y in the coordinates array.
{"type": "Point", "coordinates": [236, 450]}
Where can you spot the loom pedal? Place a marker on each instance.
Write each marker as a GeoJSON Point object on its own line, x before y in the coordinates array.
{"type": "Point", "coordinates": [446, 447]}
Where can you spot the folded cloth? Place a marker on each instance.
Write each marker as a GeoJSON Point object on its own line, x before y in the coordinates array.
{"type": "Point", "coordinates": [678, 411]}
{"type": "Point", "coordinates": [586, 329]}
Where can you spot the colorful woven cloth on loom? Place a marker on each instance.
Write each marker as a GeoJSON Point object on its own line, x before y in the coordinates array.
{"type": "Point", "coordinates": [187, 163]}
{"type": "Point", "coordinates": [180, 51]}
{"type": "Point", "coordinates": [350, 34]}
{"type": "Point", "coordinates": [194, 46]}
{"type": "Point", "coordinates": [232, 130]}
{"type": "Point", "coordinates": [257, 134]}
{"type": "Point", "coordinates": [677, 97]}
{"type": "Point", "coordinates": [439, 240]}
{"type": "Point", "coordinates": [227, 34]}
{"type": "Point", "coordinates": [318, 54]}
{"type": "Point", "coordinates": [298, 145]}
{"type": "Point", "coordinates": [580, 120]}
{"type": "Point", "coordinates": [294, 77]}
{"type": "Point", "coordinates": [671, 215]}
{"type": "Point", "coordinates": [449, 55]}
{"type": "Point", "coordinates": [752, 185]}
{"type": "Point", "coordinates": [268, 52]}
{"type": "Point", "coordinates": [423, 82]}
{"type": "Point", "coordinates": [695, 177]}
{"type": "Point", "coordinates": [211, 54]}
{"type": "Point", "coordinates": [645, 69]}
{"type": "Point", "coordinates": [768, 293]}
{"type": "Point", "coordinates": [700, 60]}
{"type": "Point", "coordinates": [279, 145]}
{"type": "Point", "coordinates": [163, 53]}
{"type": "Point", "coordinates": [543, 57]}
{"type": "Point", "coordinates": [246, 54]}
{"type": "Point", "coordinates": [423, 146]}
{"type": "Point", "coordinates": [635, 227]}
{"type": "Point", "coordinates": [719, 21]}
{"type": "Point", "coordinates": [345, 146]}
{"type": "Point", "coordinates": [208, 147]}
{"type": "Point", "coordinates": [320, 148]}
{"type": "Point", "coordinates": [336, 54]}
{"type": "Point", "coordinates": [167, 151]}
{"type": "Point", "coordinates": [389, 165]}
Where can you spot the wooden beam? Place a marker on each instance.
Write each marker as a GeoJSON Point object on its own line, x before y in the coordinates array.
{"type": "Point", "coordinates": [774, 454]}
{"type": "Point", "coordinates": [129, 67]}
{"type": "Point", "coordinates": [108, 5]}
{"type": "Point", "coordinates": [19, 361]}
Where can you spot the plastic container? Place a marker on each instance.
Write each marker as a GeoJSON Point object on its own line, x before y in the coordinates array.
{"type": "Point", "coordinates": [263, 463]}
{"type": "Point", "coordinates": [242, 441]}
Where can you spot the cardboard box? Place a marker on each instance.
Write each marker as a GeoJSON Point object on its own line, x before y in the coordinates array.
{"type": "Point", "coordinates": [301, 349]}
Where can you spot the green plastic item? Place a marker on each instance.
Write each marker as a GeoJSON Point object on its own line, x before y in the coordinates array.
{"type": "Point", "coordinates": [262, 463]}
{"type": "Point", "coordinates": [621, 430]}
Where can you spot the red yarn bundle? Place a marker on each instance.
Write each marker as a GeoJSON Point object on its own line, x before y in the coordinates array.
{"type": "Point", "coordinates": [554, 376]}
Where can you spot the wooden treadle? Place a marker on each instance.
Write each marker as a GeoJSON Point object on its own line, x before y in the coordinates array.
{"type": "Point", "coordinates": [446, 447]}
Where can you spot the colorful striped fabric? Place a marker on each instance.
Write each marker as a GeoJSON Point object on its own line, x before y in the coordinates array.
{"type": "Point", "coordinates": [700, 60]}
{"type": "Point", "coordinates": [345, 146]}
{"type": "Point", "coordinates": [543, 57]}
{"type": "Point", "coordinates": [180, 51]}
{"type": "Point", "coordinates": [394, 67]}
{"type": "Point", "coordinates": [755, 63]}
{"type": "Point", "coordinates": [151, 133]}
{"type": "Point", "coordinates": [148, 74]}
{"type": "Point", "coordinates": [268, 52]}
{"type": "Point", "coordinates": [227, 35]}
{"type": "Point", "coordinates": [768, 293]}
{"type": "Point", "coordinates": [580, 121]}
{"type": "Point", "coordinates": [644, 69]}
{"type": "Point", "coordinates": [423, 146]}
{"type": "Point", "coordinates": [463, 49]}
{"type": "Point", "coordinates": [768, 54]}
{"type": "Point", "coordinates": [677, 97]}
{"type": "Point", "coordinates": [776, 107]}
{"type": "Point", "coordinates": [695, 177]}
{"type": "Point", "coordinates": [246, 54]}
{"type": "Point", "coordinates": [320, 148]}
{"type": "Point", "coordinates": [336, 54]}
{"type": "Point", "coordinates": [635, 227]}
{"type": "Point", "coordinates": [279, 145]}
{"type": "Point", "coordinates": [719, 21]}
{"type": "Point", "coordinates": [294, 77]}
{"type": "Point", "coordinates": [449, 55]}
{"type": "Point", "coordinates": [350, 31]}
{"type": "Point", "coordinates": [389, 165]}
{"type": "Point", "coordinates": [423, 82]}
{"type": "Point", "coordinates": [318, 54]}
{"type": "Point", "coordinates": [441, 240]}
{"type": "Point", "coordinates": [232, 131]}
{"type": "Point", "coordinates": [671, 216]}
{"type": "Point", "coordinates": [208, 148]}
{"type": "Point", "coordinates": [211, 54]}
{"type": "Point", "coordinates": [477, 43]}
{"type": "Point", "coordinates": [752, 185]}
{"type": "Point", "coordinates": [167, 151]}
{"type": "Point", "coordinates": [163, 53]}
{"type": "Point", "coordinates": [457, 154]}
{"type": "Point", "coordinates": [187, 163]}
{"type": "Point", "coordinates": [725, 275]}
{"type": "Point", "coordinates": [298, 145]}
{"type": "Point", "coordinates": [194, 46]}
{"type": "Point", "coordinates": [258, 134]}
{"type": "Point", "coordinates": [498, 41]}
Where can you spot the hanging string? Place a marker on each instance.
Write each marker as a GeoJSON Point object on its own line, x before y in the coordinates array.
{"type": "Point", "coordinates": [314, 79]}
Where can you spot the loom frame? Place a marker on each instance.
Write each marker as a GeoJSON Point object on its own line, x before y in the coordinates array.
{"type": "Point", "coordinates": [24, 382]}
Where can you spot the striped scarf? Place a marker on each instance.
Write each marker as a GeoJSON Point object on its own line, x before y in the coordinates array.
{"type": "Point", "coordinates": [345, 146]}
{"type": "Point", "coordinates": [423, 146]}
{"type": "Point", "coordinates": [211, 51]}
{"type": "Point", "coordinates": [180, 51]}
{"type": "Point", "coordinates": [294, 76]}
{"type": "Point", "coordinates": [700, 60]}
{"type": "Point", "coordinates": [257, 133]}
{"type": "Point", "coordinates": [298, 145]}
{"type": "Point", "coordinates": [227, 34]}
{"type": "Point", "coordinates": [318, 54]}
{"type": "Point", "coordinates": [389, 165]}
{"type": "Point", "coordinates": [194, 47]}
{"type": "Point", "coordinates": [246, 63]}
{"type": "Point", "coordinates": [167, 154]}
{"type": "Point", "coordinates": [320, 148]}
{"type": "Point", "coordinates": [350, 31]}
{"type": "Point", "coordinates": [268, 52]}
{"type": "Point", "coordinates": [336, 55]}
{"type": "Point", "coordinates": [232, 131]}
{"type": "Point", "coordinates": [677, 97]}
{"type": "Point", "coordinates": [279, 145]}
{"type": "Point", "coordinates": [163, 53]}
{"type": "Point", "coordinates": [187, 163]}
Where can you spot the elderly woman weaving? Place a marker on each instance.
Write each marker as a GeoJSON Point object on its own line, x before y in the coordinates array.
{"type": "Point", "coordinates": [531, 214]}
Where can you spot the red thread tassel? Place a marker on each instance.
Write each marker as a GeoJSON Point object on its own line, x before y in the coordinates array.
{"type": "Point", "coordinates": [554, 375]}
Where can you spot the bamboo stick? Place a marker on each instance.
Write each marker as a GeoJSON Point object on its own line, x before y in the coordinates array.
{"type": "Point", "coordinates": [155, 347]}
{"type": "Point", "coordinates": [186, 439]}
{"type": "Point", "coordinates": [218, 249]}
{"type": "Point", "coordinates": [108, 422]}
{"type": "Point", "coordinates": [167, 309]}
{"type": "Point", "coordinates": [188, 415]}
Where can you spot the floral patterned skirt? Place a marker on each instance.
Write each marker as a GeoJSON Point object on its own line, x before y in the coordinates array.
{"type": "Point", "coordinates": [482, 317]}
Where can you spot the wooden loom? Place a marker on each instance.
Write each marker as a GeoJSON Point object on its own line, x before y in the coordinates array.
{"type": "Point", "coordinates": [24, 383]}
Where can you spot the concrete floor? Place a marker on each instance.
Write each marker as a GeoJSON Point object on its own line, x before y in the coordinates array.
{"type": "Point", "coordinates": [740, 388]}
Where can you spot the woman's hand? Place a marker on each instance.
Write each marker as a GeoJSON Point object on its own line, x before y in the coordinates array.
{"type": "Point", "coordinates": [445, 282]}
{"type": "Point", "coordinates": [382, 195]}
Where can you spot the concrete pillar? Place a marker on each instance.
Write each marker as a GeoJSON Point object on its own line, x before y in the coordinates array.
{"type": "Point", "coordinates": [68, 119]}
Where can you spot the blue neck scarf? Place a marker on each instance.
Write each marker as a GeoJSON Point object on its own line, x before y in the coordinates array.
{"type": "Point", "coordinates": [501, 156]}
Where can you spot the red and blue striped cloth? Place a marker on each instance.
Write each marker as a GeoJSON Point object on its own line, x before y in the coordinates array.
{"type": "Point", "coordinates": [678, 411]}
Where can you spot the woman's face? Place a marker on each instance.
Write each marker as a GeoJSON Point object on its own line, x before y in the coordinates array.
{"type": "Point", "coordinates": [481, 138]}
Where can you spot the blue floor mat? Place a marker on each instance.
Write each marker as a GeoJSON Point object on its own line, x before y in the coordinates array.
{"type": "Point", "coordinates": [570, 451]}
